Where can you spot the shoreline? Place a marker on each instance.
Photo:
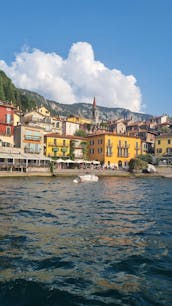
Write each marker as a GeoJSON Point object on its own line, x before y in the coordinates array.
{"type": "Point", "coordinates": [100, 173]}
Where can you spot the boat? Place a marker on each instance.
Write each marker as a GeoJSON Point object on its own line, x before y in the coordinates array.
{"type": "Point", "coordinates": [86, 178]}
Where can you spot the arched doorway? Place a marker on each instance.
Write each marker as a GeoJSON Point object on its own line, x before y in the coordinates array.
{"type": "Point", "coordinates": [119, 164]}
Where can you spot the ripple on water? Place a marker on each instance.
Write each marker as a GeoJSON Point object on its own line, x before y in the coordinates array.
{"type": "Point", "coordinates": [92, 244]}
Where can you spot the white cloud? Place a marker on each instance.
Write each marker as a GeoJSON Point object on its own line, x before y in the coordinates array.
{"type": "Point", "coordinates": [78, 78]}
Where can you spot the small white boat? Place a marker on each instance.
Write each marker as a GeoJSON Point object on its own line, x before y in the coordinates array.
{"type": "Point", "coordinates": [86, 178]}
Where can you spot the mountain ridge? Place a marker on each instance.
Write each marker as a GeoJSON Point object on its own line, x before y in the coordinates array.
{"type": "Point", "coordinates": [85, 109]}
{"type": "Point", "coordinates": [28, 100]}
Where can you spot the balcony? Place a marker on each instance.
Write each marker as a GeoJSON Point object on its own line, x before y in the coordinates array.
{"type": "Point", "coordinates": [32, 137]}
{"type": "Point", "coordinates": [109, 145]}
{"type": "Point", "coordinates": [109, 154]}
{"type": "Point", "coordinates": [52, 144]}
{"type": "Point", "coordinates": [137, 148]}
{"type": "Point", "coordinates": [123, 146]}
{"type": "Point", "coordinates": [3, 122]}
{"type": "Point", "coordinates": [28, 150]}
{"type": "Point", "coordinates": [123, 155]}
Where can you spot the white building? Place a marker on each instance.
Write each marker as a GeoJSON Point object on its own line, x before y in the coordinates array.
{"type": "Point", "coordinates": [69, 128]}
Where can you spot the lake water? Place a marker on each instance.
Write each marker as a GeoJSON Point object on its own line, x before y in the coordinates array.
{"type": "Point", "coordinates": [105, 243]}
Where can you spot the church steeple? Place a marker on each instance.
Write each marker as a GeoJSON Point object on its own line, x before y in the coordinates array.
{"type": "Point", "coordinates": [94, 109]}
{"type": "Point", "coordinates": [94, 103]}
{"type": "Point", "coordinates": [94, 112]}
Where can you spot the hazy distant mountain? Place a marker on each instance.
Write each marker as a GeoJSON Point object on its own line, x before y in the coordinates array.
{"type": "Point", "coordinates": [83, 109]}
{"type": "Point", "coordinates": [28, 100]}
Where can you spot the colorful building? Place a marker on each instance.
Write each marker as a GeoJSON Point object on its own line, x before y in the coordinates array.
{"type": "Point", "coordinates": [6, 124]}
{"type": "Point", "coordinates": [29, 139]}
{"type": "Point", "coordinates": [163, 145]}
{"type": "Point", "coordinates": [44, 111]}
{"type": "Point", "coordinates": [57, 145]}
{"type": "Point", "coordinates": [112, 149]}
{"type": "Point", "coordinates": [74, 147]}
{"type": "Point", "coordinates": [80, 120]}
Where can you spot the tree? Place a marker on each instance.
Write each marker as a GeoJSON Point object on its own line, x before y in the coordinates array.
{"type": "Point", "coordinates": [80, 133]}
{"type": "Point", "coordinates": [137, 164]}
{"type": "Point", "coordinates": [2, 93]}
{"type": "Point", "coordinates": [84, 145]}
{"type": "Point", "coordinates": [147, 158]}
{"type": "Point", "coordinates": [72, 149]}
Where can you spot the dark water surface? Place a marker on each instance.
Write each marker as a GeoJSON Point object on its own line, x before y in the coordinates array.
{"type": "Point", "coordinates": [106, 243]}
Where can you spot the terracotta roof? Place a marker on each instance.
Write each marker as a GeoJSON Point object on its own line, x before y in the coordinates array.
{"type": "Point", "coordinates": [111, 134]}
{"type": "Point", "coordinates": [64, 136]}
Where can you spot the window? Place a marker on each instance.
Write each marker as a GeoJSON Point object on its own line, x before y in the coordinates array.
{"type": "Point", "coordinates": [64, 142]}
{"type": "Point", "coordinates": [125, 152]}
{"type": "Point", "coordinates": [169, 141]}
{"type": "Point", "coordinates": [8, 118]}
{"type": "Point", "coordinates": [109, 151]}
{"type": "Point", "coordinates": [119, 151]}
{"type": "Point", "coordinates": [159, 142]}
{"type": "Point", "coordinates": [169, 151]}
{"type": "Point", "coordinates": [8, 131]}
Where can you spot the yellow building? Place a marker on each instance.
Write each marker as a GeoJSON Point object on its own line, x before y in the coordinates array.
{"type": "Point", "coordinates": [112, 149]}
{"type": "Point", "coordinates": [57, 145]}
{"type": "Point", "coordinates": [44, 111]}
{"type": "Point", "coordinates": [163, 145]}
{"type": "Point", "coordinates": [76, 119]}
{"type": "Point", "coordinates": [74, 147]}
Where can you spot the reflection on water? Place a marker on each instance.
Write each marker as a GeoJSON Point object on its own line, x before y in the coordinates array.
{"type": "Point", "coordinates": [107, 243]}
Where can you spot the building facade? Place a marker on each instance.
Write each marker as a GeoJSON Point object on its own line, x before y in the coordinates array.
{"type": "Point", "coordinates": [111, 149]}
{"type": "Point", "coordinates": [29, 139]}
{"type": "Point", "coordinates": [57, 146]}
{"type": "Point", "coordinates": [163, 145]}
{"type": "Point", "coordinates": [73, 147]}
{"type": "Point", "coordinates": [78, 147]}
{"type": "Point", "coordinates": [69, 128]}
{"type": "Point", "coordinates": [6, 124]}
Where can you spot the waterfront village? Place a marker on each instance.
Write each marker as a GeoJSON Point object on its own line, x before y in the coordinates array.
{"type": "Point", "coordinates": [36, 141]}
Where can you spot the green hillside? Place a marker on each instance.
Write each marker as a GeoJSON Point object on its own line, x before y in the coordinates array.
{"type": "Point", "coordinates": [8, 92]}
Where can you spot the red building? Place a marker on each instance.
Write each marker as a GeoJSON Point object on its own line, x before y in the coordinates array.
{"type": "Point", "coordinates": [6, 121]}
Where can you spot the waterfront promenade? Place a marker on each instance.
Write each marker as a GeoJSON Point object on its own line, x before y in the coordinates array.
{"type": "Point", "coordinates": [161, 172]}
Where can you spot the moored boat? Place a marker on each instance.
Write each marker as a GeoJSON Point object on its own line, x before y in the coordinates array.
{"type": "Point", "coordinates": [86, 178]}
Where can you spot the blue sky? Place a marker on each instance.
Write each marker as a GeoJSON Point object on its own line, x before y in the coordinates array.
{"type": "Point", "coordinates": [132, 37]}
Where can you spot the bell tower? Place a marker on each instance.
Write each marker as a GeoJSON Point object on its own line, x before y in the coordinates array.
{"type": "Point", "coordinates": [94, 112]}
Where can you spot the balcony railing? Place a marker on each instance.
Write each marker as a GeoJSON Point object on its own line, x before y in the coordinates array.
{"type": "Point", "coordinates": [6, 122]}
{"type": "Point", "coordinates": [124, 155]}
{"type": "Point", "coordinates": [26, 150]}
{"type": "Point", "coordinates": [52, 144]}
{"type": "Point", "coordinates": [109, 145]}
{"type": "Point", "coordinates": [32, 137]}
{"type": "Point", "coordinates": [123, 146]}
{"type": "Point", "coordinates": [137, 148]}
{"type": "Point", "coordinates": [109, 154]}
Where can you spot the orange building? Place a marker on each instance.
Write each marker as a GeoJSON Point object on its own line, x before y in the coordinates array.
{"type": "Point", "coordinates": [112, 149]}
